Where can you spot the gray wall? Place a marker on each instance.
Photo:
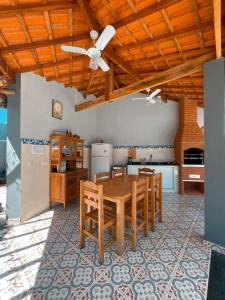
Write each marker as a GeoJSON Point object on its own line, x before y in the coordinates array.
{"type": "Point", "coordinates": [3, 133]}
{"type": "Point", "coordinates": [214, 72]}
{"type": "Point", "coordinates": [13, 179]}
{"type": "Point", "coordinates": [128, 122]}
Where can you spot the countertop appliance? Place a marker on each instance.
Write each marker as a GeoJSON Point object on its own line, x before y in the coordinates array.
{"type": "Point", "coordinates": [101, 158]}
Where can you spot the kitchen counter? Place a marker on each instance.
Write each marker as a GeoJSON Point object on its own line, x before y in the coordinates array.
{"type": "Point", "coordinates": [152, 163]}
{"type": "Point", "coordinates": [169, 173]}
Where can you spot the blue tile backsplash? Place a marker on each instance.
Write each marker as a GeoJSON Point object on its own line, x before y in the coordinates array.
{"type": "Point", "coordinates": [34, 141]}
{"type": "Point", "coordinates": [28, 141]}
{"type": "Point", "coordinates": [142, 146]}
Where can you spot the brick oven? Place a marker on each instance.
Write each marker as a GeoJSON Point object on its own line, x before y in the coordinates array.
{"type": "Point", "coordinates": [189, 149]}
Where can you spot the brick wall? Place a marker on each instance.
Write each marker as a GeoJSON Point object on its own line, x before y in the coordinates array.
{"type": "Point", "coordinates": [189, 135]}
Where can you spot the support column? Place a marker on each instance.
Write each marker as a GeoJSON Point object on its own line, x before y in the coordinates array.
{"type": "Point", "coordinates": [214, 88]}
{"type": "Point", "coordinates": [13, 152]}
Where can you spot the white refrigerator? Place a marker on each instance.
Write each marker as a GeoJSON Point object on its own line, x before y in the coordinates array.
{"type": "Point", "coordinates": [101, 158]}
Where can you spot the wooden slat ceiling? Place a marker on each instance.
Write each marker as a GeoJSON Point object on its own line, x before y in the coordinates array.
{"type": "Point", "coordinates": [152, 36]}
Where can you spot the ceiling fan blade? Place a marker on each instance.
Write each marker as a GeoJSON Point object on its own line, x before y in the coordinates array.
{"type": "Point", "coordinates": [153, 94]}
{"type": "Point", "coordinates": [103, 65]}
{"type": "Point", "coordinates": [105, 37]}
{"type": "Point", "coordinates": [93, 64]}
{"type": "Point", "coordinates": [74, 49]}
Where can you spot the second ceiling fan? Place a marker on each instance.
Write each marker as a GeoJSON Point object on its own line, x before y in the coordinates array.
{"type": "Point", "coordinates": [150, 98]}
{"type": "Point", "coordinates": [95, 52]}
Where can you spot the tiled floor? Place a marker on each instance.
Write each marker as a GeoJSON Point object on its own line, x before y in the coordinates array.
{"type": "Point", "coordinates": [41, 259]}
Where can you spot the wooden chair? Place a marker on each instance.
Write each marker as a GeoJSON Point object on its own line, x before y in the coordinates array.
{"type": "Point", "coordinates": [92, 210]}
{"type": "Point", "coordinates": [102, 177]}
{"type": "Point", "coordinates": [139, 204]}
{"type": "Point", "coordinates": [155, 197]}
{"type": "Point", "coordinates": [154, 194]}
{"type": "Point", "coordinates": [145, 171]}
{"type": "Point", "coordinates": [116, 173]}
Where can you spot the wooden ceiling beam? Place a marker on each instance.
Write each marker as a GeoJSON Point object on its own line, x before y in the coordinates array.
{"type": "Point", "coordinates": [7, 91]}
{"type": "Point", "coordinates": [198, 21]}
{"type": "Point", "coordinates": [6, 11]}
{"type": "Point", "coordinates": [73, 74]}
{"type": "Point", "coordinates": [92, 73]}
{"type": "Point", "coordinates": [51, 64]}
{"type": "Point", "coordinates": [148, 10]}
{"type": "Point", "coordinates": [182, 93]}
{"type": "Point", "coordinates": [84, 36]}
{"type": "Point", "coordinates": [170, 35]}
{"type": "Point", "coordinates": [44, 43]}
{"type": "Point", "coordinates": [175, 55]}
{"type": "Point", "coordinates": [162, 77]}
{"type": "Point", "coordinates": [107, 86]}
{"type": "Point", "coordinates": [112, 80]}
{"type": "Point", "coordinates": [6, 70]}
{"type": "Point", "coordinates": [185, 86]}
{"type": "Point", "coordinates": [217, 8]}
{"type": "Point", "coordinates": [92, 21]}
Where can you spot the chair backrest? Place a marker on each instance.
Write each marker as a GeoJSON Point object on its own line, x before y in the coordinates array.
{"type": "Point", "coordinates": [102, 177]}
{"type": "Point", "coordinates": [91, 196]}
{"type": "Point", "coordinates": [156, 182]}
{"type": "Point", "coordinates": [145, 171]}
{"type": "Point", "coordinates": [139, 190]}
{"type": "Point", "coordinates": [118, 173]}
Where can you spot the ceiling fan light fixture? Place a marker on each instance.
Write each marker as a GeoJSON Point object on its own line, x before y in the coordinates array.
{"type": "Point", "coordinates": [93, 34]}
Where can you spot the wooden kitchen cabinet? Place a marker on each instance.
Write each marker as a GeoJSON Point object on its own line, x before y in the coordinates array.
{"type": "Point", "coordinates": [66, 186]}
{"type": "Point", "coordinates": [66, 169]}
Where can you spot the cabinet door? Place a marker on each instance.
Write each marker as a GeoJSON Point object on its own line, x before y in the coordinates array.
{"type": "Point", "coordinates": [57, 188]}
{"type": "Point", "coordinates": [167, 176]}
{"type": "Point", "coordinates": [71, 186]}
{"type": "Point", "coordinates": [55, 148]}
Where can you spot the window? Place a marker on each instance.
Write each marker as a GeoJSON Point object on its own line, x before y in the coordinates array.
{"type": "Point", "coordinates": [3, 116]}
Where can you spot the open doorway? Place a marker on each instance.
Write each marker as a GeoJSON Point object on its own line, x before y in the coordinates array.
{"type": "Point", "coordinates": [3, 134]}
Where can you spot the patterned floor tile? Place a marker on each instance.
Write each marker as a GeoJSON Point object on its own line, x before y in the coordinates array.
{"type": "Point", "coordinates": [41, 258]}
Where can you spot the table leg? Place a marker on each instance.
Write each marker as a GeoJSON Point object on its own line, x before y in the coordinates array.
{"type": "Point", "coordinates": [120, 227]}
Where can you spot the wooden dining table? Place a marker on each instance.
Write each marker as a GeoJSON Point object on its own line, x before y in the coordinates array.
{"type": "Point", "coordinates": [119, 191]}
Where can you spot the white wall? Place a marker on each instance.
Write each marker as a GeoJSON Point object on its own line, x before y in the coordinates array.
{"type": "Point", "coordinates": [200, 117]}
{"type": "Point", "coordinates": [36, 109]}
{"type": "Point", "coordinates": [131, 123]}
{"type": "Point", "coordinates": [37, 123]}
{"type": "Point", "coordinates": [128, 122]}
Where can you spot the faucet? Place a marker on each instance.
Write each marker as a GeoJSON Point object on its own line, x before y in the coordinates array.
{"type": "Point", "coordinates": [150, 157]}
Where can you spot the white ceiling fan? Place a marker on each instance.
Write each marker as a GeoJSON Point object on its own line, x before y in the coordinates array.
{"type": "Point", "coordinates": [150, 98]}
{"type": "Point", "coordinates": [95, 52]}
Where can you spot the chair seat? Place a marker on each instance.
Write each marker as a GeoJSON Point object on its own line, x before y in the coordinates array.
{"type": "Point", "coordinates": [108, 217]}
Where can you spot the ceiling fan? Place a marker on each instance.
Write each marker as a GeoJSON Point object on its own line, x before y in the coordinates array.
{"type": "Point", "coordinates": [95, 52]}
{"type": "Point", "coordinates": [150, 98]}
